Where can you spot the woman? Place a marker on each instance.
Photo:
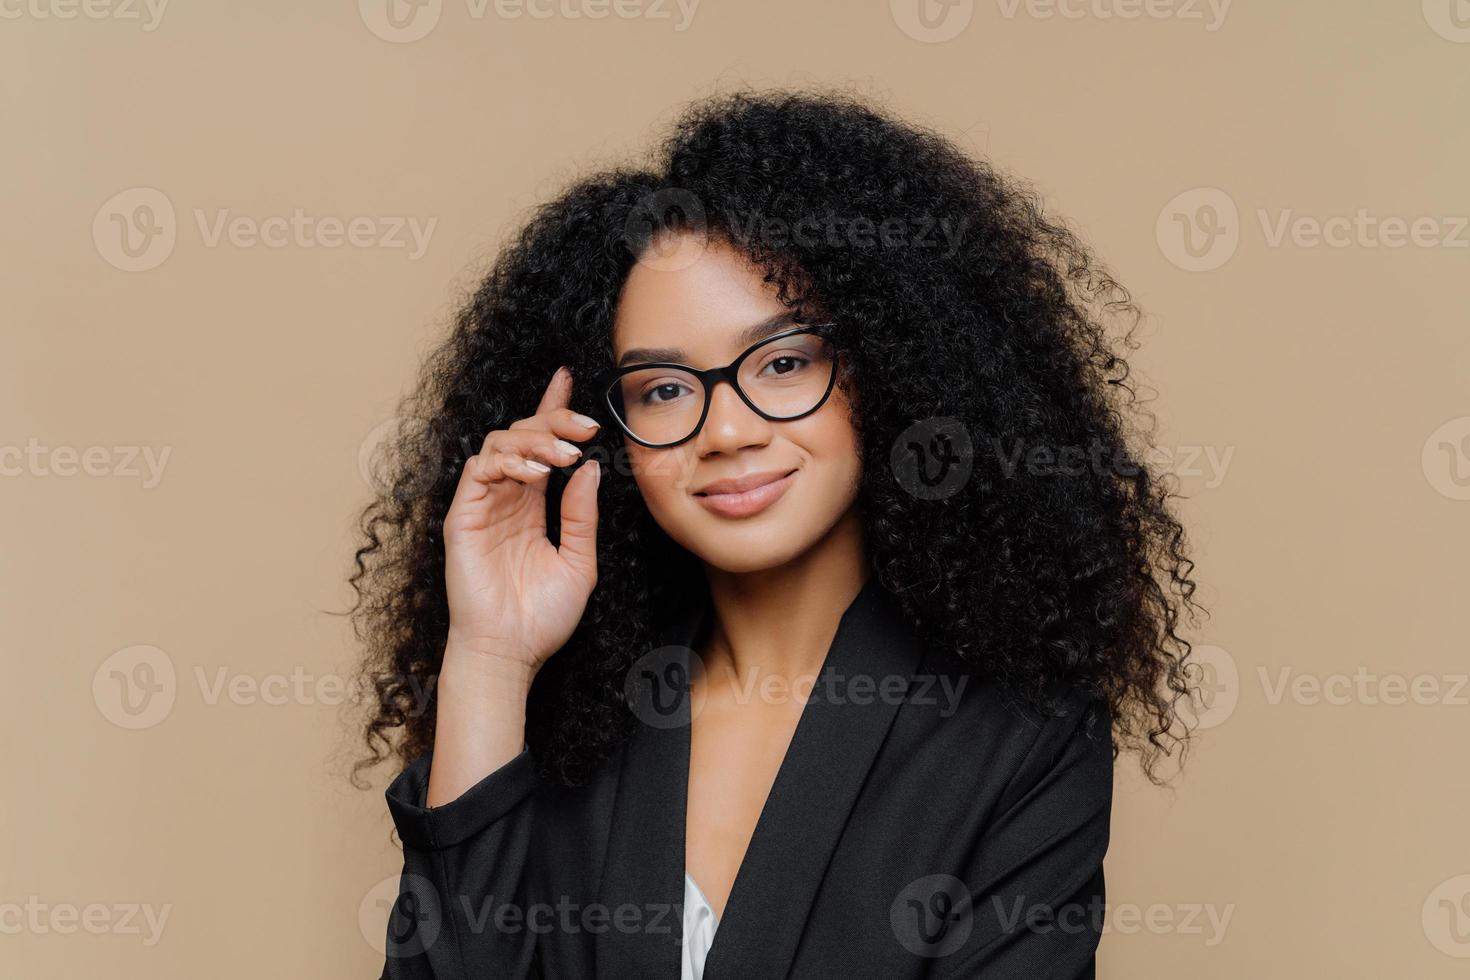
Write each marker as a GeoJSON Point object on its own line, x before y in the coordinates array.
{"type": "Point", "coordinates": [818, 661]}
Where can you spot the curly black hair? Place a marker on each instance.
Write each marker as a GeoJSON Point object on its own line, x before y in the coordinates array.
{"type": "Point", "coordinates": [963, 313]}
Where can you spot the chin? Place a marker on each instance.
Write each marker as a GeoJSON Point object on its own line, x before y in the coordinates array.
{"type": "Point", "coordinates": [743, 561]}
{"type": "Point", "coordinates": [748, 549]}
{"type": "Point", "coordinates": [790, 528]}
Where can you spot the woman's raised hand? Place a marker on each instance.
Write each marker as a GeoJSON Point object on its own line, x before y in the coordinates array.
{"type": "Point", "coordinates": [513, 597]}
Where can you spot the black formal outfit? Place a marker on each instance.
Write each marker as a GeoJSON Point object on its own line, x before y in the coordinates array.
{"type": "Point", "coordinates": [921, 824]}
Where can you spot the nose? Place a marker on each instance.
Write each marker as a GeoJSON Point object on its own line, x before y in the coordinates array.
{"type": "Point", "coordinates": [730, 424]}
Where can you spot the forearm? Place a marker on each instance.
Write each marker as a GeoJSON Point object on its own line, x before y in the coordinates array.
{"type": "Point", "coordinates": [480, 723]}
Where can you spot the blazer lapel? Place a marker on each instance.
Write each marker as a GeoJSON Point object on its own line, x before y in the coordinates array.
{"type": "Point", "coordinates": [643, 876]}
{"type": "Point", "coordinates": [873, 655]}
{"type": "Point", "coordinates": [835, 742]}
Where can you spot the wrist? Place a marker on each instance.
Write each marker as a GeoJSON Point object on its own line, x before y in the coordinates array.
{"type": "Point", "coordinates": [501, 676]}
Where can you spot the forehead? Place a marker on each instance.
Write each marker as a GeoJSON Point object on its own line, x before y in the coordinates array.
{"type": "Point", "coordinates": [695, 295]}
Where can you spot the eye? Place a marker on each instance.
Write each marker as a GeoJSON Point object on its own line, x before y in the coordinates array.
{"type": "Point", "coordinates": [783, 364]}
{"type": "Point", "coordinates": [663, 392]}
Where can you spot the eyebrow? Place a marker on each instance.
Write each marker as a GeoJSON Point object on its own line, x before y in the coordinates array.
{"type": "Point", "coordinates": [745, 338]}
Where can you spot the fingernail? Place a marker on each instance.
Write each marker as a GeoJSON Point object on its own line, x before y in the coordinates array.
{"type": "Point", "coordinates": [584, 420]}
{"type": "Point", "coordinates": [538, 466]}
{"type": "Point", "coordinates": [596, 471]}
{"type": "Point", "coordinates": [567, 447]}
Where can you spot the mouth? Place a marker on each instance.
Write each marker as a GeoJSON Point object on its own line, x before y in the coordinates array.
{"type": "Point", "coordinates": [746, 495]}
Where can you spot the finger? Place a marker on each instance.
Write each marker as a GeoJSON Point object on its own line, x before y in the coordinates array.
{"type": "Point", "coordinates": [514, 466]}
{"type": "Point", "coordinates": [553, 414]}
{"type": "Point", "coordinates": [538, 443]}
{"type": "Point", "coordinates": [562, 421]}
{"type": "Point", "coordinates": [485, 472]}
{"type": "Point", "coordinates": [578, 546]}
{"type": "Point", "coordinates": [558, 393]}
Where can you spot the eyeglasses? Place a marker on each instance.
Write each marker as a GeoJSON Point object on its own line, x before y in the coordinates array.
{"type": "Point", "coordinates": [784, 377]}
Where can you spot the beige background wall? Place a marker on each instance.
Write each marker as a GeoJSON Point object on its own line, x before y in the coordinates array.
{"type": "Point", "coordinates": [181, 429]}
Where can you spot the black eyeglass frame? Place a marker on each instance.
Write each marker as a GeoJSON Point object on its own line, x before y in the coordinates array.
{"type": "Point", "coordinates": [709, 378]}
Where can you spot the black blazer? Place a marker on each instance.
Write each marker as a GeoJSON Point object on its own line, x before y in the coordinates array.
{"type": "Point", "coordinates": [913, 830]}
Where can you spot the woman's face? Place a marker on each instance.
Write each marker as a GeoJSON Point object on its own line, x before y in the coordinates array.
{"type": "Point", "coordinates": [694, 311]}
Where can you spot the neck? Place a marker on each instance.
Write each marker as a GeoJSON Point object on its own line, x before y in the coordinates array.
{"type": "Point", "coordinates": [781, 621]}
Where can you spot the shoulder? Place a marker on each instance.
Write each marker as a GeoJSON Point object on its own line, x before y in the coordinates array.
{"type": "Point", "coordinates": [1009, 742]}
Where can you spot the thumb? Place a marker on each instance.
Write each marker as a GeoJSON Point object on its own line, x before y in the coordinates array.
{"type": "Point", "coordinates": [578, 546]}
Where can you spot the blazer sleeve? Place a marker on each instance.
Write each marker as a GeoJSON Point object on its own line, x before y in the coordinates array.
{"type": "Point", "coordinates": [463, 887]}
{"type": "Point", "coordinates": [1035, 890]}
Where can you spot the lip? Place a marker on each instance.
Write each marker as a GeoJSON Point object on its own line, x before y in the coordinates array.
{"type": "Point", "coordinates": [745, 495]}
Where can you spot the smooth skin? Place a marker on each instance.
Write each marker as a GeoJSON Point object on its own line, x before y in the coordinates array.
{"type": "Point", "coordinates": [779, 579]}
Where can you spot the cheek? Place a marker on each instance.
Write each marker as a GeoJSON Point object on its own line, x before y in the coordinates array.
{"type": "Point", "coordinates": [837, 440]}
{"type": "Point", "coordinates": [834, 454]}
{"type": "Point", "coordinates": [662, 475]}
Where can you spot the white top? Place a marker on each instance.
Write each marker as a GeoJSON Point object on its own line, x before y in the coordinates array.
{"type": "Point", "coordinates": [699, 930]}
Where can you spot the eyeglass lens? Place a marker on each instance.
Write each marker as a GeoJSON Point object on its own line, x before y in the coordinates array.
{"type": "Point", "coordinates": [784, 378]}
